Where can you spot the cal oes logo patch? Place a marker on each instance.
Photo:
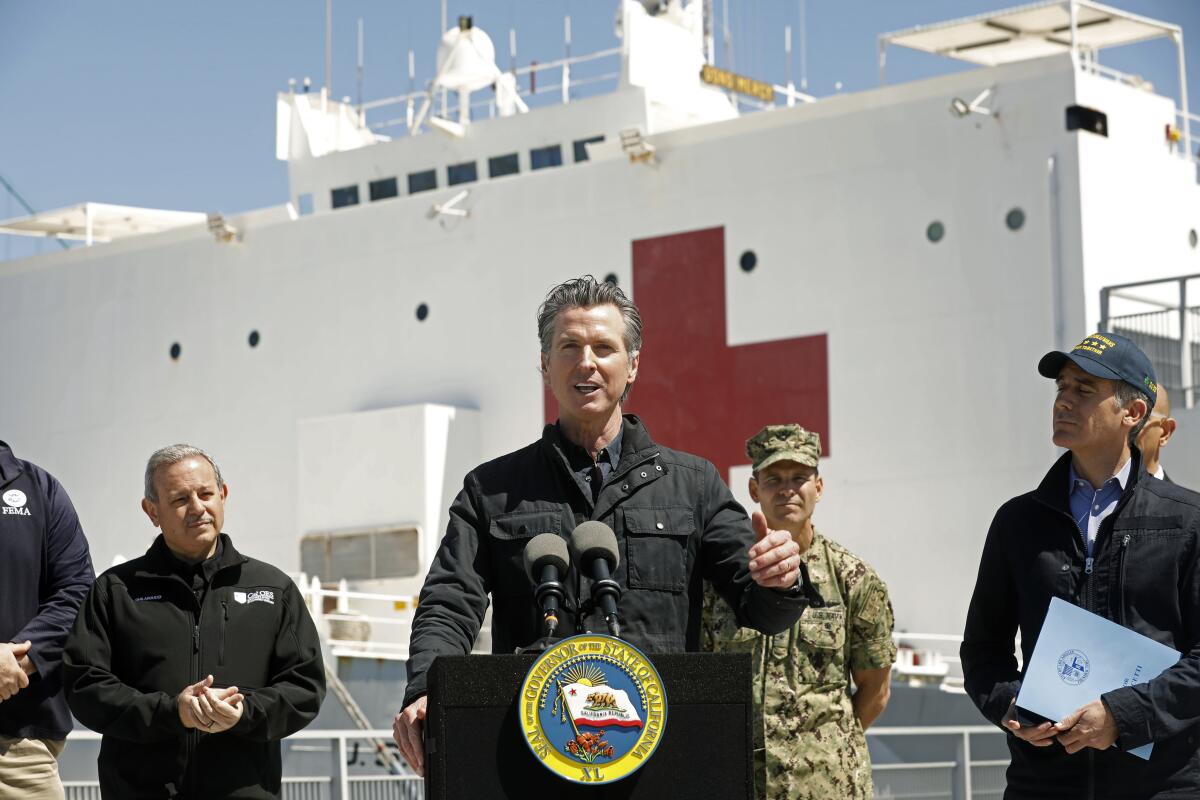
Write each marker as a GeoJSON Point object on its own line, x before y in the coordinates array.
{"type": "Point", "coordinates": [592, 709]}
{"type": "Point", "coordinates": [1074, 667]}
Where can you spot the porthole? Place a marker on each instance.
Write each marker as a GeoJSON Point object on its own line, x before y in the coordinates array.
{"type": "Point", "coordinates": [175, 351]}
{"type": "Point", "coordinates": [611, 278]}
{"type": "Point", "coordinates": [935, 231]}
{"type": "Point", "coordinates": [253, 339]}
{"type": "Point", "coordinates": [1192, 238]}
{"type": "Point", "coordinates": [748, 261]}
{"type": "Point", "coordinates": [422, 312]}
{"type": "Point", "coordinates": [1014, 219]}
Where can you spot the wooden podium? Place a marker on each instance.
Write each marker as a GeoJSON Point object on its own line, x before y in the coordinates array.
{"type": "Point", "coordinates": [475, 749]}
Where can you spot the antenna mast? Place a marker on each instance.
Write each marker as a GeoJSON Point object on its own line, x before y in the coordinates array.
{"type": "Point", "coordinates": [329, 47]}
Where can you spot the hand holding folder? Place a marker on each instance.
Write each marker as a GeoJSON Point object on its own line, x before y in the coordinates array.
{"type": "Point", "coordinates": [1078, 657]}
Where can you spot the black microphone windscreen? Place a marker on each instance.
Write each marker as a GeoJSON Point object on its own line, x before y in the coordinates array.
{"type": "Point", "coordinates": [594, 539]}
{"type": "Point", "coordinates": [543, 549]}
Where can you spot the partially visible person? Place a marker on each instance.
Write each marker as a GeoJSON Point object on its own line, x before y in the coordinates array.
{"type": "Point", "coordinates": [45, 570]}
{"type": "Point", "coordinates": [1159, 429]}
{"type": "Point", "coordinates": [193, 660]}
{"type": "Point", "coordinates": [1100, 533]}
{"type": "Point", "coordinates": [809, 740]}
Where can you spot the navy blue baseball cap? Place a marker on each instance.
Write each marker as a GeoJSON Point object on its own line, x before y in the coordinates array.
{"type": "Point", "coordinates": [1106, 355]}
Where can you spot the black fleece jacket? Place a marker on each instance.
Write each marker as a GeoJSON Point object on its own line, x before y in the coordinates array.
{"type": "Point", "coordinates": [1144, 577]}
{"type": "Point", "coordinates": [143, 635]}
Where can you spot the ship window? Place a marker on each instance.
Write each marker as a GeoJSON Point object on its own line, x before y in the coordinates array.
{"type": "Point", "coordinates": [253, 338]}
{"type": "Point", "coordinates": [422, 312]}
{"type": "Point", "coordinates": [304, 204]}
{"type": "Point", "coordinates": [1192, 238]}
{"type": "Point", "coordinates": [345, 196]}
{"type": "Point", "coordinates": [361, 556]}
{"type": "Point", "coordinates": [1014, 219]}
{"type": "Point", "coordinates": [748, 261]}
{"type": "Point", "coordinates": [503, 165]}
{"type": "Point", "coordinates": [465, 172]}
{"type": "Point", "coordinates": [422, 181]}
{"type": "Point", "coordinates": [175, 351]}
{"type": "Point", "coordinates": [581, 153]}
{"type": "Point", "coordinates": [935, 231]}
{"type": "Point", "coordinates": [384, 188]}
{"type": "Point", "coordinates": [543, 157]}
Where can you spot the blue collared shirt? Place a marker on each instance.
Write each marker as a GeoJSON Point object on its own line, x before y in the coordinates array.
{"type": "Point", "coordinates": [1090, 506]}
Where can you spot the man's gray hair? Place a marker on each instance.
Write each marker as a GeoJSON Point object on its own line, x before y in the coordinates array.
{"type": "Point", "coordinates": [1126, 393]}
{"type": "Point", "coordinates": [173, 454]}
{"type": "Point", "coordinates": [586, 292]}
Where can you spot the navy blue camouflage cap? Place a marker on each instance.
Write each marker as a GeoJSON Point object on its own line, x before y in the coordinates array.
{"type": "Point", "coordinates": [1106, 355]}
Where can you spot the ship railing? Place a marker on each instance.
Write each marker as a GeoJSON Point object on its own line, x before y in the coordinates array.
{"type": "Point", "coordinates": [963, 777]}
{"type": "Point", "coordinates": [1161, 316]}
{"type": "Point", "coordinates": [343, 772]}
{"type": "Point", "coordinates": [534, 93]}
{"type": "Point", "coordinates": [960, 776]}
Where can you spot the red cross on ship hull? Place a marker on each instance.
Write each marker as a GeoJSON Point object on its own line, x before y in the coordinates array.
{"type": "Point", "coordinates": [695, 392]}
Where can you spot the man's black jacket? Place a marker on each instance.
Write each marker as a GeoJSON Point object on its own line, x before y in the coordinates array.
{"type": "Point", "coordinates": [142, 637]}
{"type": "Point", "coordinates": [676, 525]}
{"type": "Point", "coordinates": [45, 570]}
{"type": "Point", "coordinates": [1144, 577]}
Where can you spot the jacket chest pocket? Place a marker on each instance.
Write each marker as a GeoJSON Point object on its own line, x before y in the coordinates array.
{"type": "Point", "coordinates": [824, 628]}
{"type": "Point", "coordinates": [247, 621]}
{"type": "Point", "coordinates": [1150, 554]}
{"type": "Point", "coordinates": [656, 547]}
{"type": "Point", "coordinates": [508, 535]}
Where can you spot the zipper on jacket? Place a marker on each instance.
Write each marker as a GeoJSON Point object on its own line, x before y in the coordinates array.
{"type": "Point", "coordinates": [221, 640]}
{"type": "Point", "coordinates": [1121, 578]}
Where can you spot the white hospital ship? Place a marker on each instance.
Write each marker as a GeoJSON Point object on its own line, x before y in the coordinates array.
{"type": "Point", "coordinates": [884, 267]}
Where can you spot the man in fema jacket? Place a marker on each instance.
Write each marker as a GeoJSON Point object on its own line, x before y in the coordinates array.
{"type": "Point", "coordinates": [1100, 533]}
{"type": "Point", "coordinates": [45, 571]}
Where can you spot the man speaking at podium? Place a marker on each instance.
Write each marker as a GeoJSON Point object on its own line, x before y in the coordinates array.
{"type": "Point", "coordinates": [1098, 532]}
{"type": "Point", "coordinates": [675, 520]}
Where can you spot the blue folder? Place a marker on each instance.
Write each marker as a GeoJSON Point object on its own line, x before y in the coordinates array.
{"type": "Point", "coordinates": [1080, 656]}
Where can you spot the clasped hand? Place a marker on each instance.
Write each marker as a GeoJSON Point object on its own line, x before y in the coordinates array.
{"type": "Point", "coordinates": [1090, 726]}
{"type": "Point", "coordinates": [15, 668]}
{"type": "Point", "coordinates": [207, 709]}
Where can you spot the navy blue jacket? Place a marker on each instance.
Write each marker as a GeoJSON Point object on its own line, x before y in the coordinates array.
{"type": "Point", "coordinates": [45, 571]}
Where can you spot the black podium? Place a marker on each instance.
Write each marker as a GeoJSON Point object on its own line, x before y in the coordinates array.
{"type": "Point", "coordinates": [474, 747]}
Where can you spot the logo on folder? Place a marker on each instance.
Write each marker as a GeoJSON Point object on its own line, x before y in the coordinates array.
{"type": "Point", "coordinates": [592, 709]}
{"type": "Point", "coordinates": [1074, 667]}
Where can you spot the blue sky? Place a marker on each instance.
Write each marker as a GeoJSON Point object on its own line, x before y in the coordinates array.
{"type": "Point", "coordinates": [171, 104]}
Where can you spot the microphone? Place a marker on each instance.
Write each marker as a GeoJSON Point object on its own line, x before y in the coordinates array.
{"type": "Point", "coordinates": [546, 560]}
{"type": "Point", "coordinates": [594, 549]}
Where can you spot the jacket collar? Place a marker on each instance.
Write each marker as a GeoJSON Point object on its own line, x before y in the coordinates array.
{"type": "Point", "coordinates": [10, 467]}
{"type": "Point", "coordinates": [160, 561]}
{"type": "Point", "coordinates": [635, 441]}
{"type": "Point", "coordinates": [1055, 488]}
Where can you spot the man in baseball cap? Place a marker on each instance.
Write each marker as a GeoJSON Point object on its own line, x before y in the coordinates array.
{"type": "Point", "coordinates": [810, 721]}
{"type": "Point", "coordinates": [1100, 533]}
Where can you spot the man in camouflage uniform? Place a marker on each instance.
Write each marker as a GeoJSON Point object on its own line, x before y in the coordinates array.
{"type": "Point", "coordinates": [812, 724]}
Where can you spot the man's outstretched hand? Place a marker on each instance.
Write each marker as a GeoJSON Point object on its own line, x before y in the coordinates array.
{"type": "Point", "coordinates": [775, 556]}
